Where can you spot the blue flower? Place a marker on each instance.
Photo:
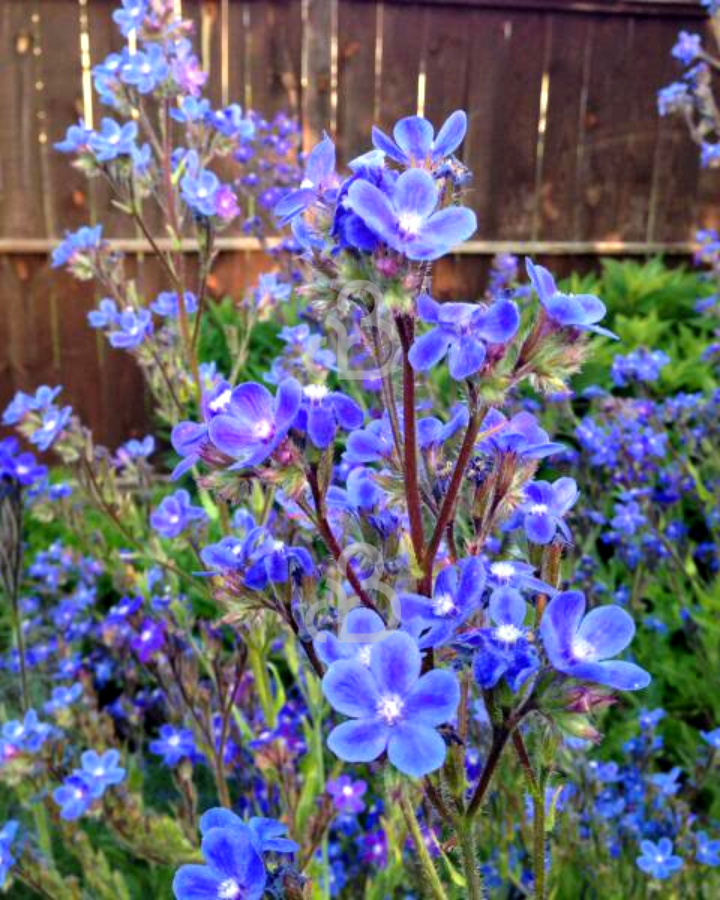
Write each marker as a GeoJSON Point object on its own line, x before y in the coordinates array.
{"type": "Point", "coordinates": [7, 837]}
{"type": "Point", "coordinates": [135, 449]}
{"type": "Point", "coordinates": [581, 311]}
{"type": "Point", "coordinates": [254, 422]}
{"type": "Point", "coordinates": [174, 744]}
{"type": "Point", "coordinates": [456, 596]}
{"type": "Point", "coordinates": [408, 219]}
{"type": "Point", "coordinates": [52, 423]}
{"type": "Point", "coordinates": [101, 770]}
{"type": "Point", "coordinates": [76, 244]}
{"type": "Point", "coordinates": [175, 513]}
{"type": "Point", "coordinates": [234, 869]}
{"type": "Point", "coordinates": [131, 16]}
{"type": "Point", "coordinates": [75, 796]}
{"type": "Point", "coordinates": [415, 143]}
{"type": "Point", "coordinates": [319, 179]}
{"type": "Point", "coordinates": [674, 98]}
{"type": "Point", "coordinates": [521, 435]}
{"type": "Point", "coordinates": [687, 48]}
{"type": "Point", "coordinates": [76, 139]}
{"type": "Point", "coordinates": [583, 647]}
{"type": "Point", "coordinates": [371, 444]}
{"type": "Point", "coordinates": [276, 563]}
{"type": "Point", "coordinates": [503, 650]}
{"type": "Point", "coordinates": [392, 707]}
{"type": "Point", "coordinates": [461, 332]}
{"type": "Point", "coordinates": [231, 122]}
{"type": "Point", "coordinates": [167, 304]}
{"type": "Point", "coordinates": [657, 860]}
{"type": "Point", "coordinates": [667, 782]}
{"type": "Point", "coordinates": [113, 140]}
{"type": "Point", "coordinates": [62, 697]}
{"type": "Point", "coordinates": [146, 69]}
{"type": "Point", "coordinates": [323, 411]}
{"type": "Point", "coordinates": [544, 507]}
{"type": "Point", "coordinates": [708, 851]}
{"type": "Point", "coordinates": [712, 738]}
{"type": "Point", "coordinates": [267, 835]}
{"type": "Point", "coordinates": [132, 327]}
{"type": "Point", "coordinates": [199, 190]}
{"type": "Point", "coordinates": [105, 314]}
{"type": "Point", "coordinates": [359, 631]}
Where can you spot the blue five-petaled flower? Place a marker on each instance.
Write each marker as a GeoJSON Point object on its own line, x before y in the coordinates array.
{"type": "Point", "coordinates": [392, 707]}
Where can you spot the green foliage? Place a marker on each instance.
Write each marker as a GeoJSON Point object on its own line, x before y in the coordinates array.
{"type": "Point", "coordinates": [650, 304]}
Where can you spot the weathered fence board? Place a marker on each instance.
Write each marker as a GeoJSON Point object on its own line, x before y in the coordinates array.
{"type": "Point", "coordinates": [568, 152]}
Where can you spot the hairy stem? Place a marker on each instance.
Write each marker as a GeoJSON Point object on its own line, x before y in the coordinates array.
{"type": "Point", "coordinates": [412, 490]}
{"type": "Point", "coordinates": [471, 870]}
{"type": "Point", "coordinates": [434, 884]}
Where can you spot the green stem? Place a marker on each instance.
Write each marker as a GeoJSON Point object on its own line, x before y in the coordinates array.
{"type": "Point", "coordinates": [262, 683]}
{"type": "Point", "coordinates": [434, 884]}
{"type": "Point", "coordinates": [539, 845]}
{"type": "Point", "coordinates": [466, 846]}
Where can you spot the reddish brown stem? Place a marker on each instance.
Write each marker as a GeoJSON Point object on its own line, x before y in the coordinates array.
{"type": "Point", "coordinates": [331, 542]}
{"type": "Point", "coordinates": [406, 329]}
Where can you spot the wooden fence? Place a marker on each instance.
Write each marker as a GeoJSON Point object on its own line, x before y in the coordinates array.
{"type": "Point", "coordinates": [569, 155]}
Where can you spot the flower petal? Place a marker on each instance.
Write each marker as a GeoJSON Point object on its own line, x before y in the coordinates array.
{"type": "Point", "coordinates": [415, 192]}
{"type": "Point", "coordinates": [348, 412]}
{"type": "Point", "coordinates": [541, 279]}
{"type": "Point", "coordinates": [466, 357]}
{"type": "Point", "coordinates": [395, 663]}
{"type": "Point", "coordinates": [233, 436]}
{"type": "Point", "coordinates": [500, 322]}
{"type": "Point", "coordinates": [623, 676]}
{"type": "Point", "coordinates": [287, 403]}
{"type": "Point", "coordinates": [388, 146]}
{"type": "Point", "coordinates": [219, 818]}
{"type": "Point", "coordinates": [416, 749]}
{"type": "Point", "coordinates": [360, 740]}
{"type": "Point", "coordinates": [321, 426]}
{"type": "Point", "coordinates": [451, 135]}
{"type": "Point", "coordinates": [540, 527]}
{"type": "Point", "coordinates": [374, 208]}
{"type": "Point", "coordinates": [251, 401]}
{"type": "Point", "coordinates": [351, 689]}
{"type": "Point", "coordinates": [434, 699]}
{"type": "Point", "coordinates": [507, 607]}
{"type": "Point", "coordinates": [321, 162]}
{"type": "Point", "coordinates": [414, 135]}
{"type": "Point", "coordinates": [442, 231]}
{"type": "Point", "coordinates": [559, 625]}
{"type": "Point", "coordinates": [608, 630]}
{"type": "Point", "coordinates": [231, 852]}
{"type": "Point", "coordinates": [429, 349]}
{"type": "Point", "coordinates": [196, 883]}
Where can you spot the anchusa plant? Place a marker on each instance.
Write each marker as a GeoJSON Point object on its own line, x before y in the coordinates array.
{"type": "Point", "coordinates": [348, 623]}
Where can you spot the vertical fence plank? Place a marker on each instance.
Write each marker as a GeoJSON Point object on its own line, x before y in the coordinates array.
{"type": "Point", "coordinates": [567, 71]}
{"type": "Point", "coordinates": [402, 39]}
{"type": "Point", "coordinates": [445, 62]}
{"type": "Point", "coordinates": [356, 76]}
{"type": "Point", "coordinates": [317, 22]}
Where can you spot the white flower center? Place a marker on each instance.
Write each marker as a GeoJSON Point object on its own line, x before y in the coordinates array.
{"type": "Point", "coordinates": [316, 392]}
{"type": "Point", "coordinates": [364, 655]}
{"type": "Point", "coordinates": [263, 429]}
{"type": "Point", "coordinates": [508, 634]}
{"type": "Point", "coordinates": [79, 794]}
{"type": "Point", "coordinates": [503, 570]}
{"type": "Point", "coordinates": [278, 545]}
{"type": "Point", "coordinates": [582, 649]}
{"type": "Point", "coordinates": [390, 708]}
{"type": "Point", "coordinates": [347, 790]}
{"type": "Point", "coordinates": [307, 183]}
{"type": "Point", "coordinates": [50, 424]}
{"type": "Point", "coordinates": [410, 223]}
{"type": "Point", "coordinates": [221, 401]}
{"type": "Point", "coordinates": [538, 509]}
{"type": "Point", "coordinates": [228, 890]}
{"type": "Point", "coordinates": [444, 604]}
{"type": "Point", "coordinates": [174, 740]}
{"type": "Point", "coordinates": [146, 635]}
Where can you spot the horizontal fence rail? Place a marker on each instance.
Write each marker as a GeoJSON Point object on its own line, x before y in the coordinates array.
{"type": "Point", "coordinates": [570, 159]}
